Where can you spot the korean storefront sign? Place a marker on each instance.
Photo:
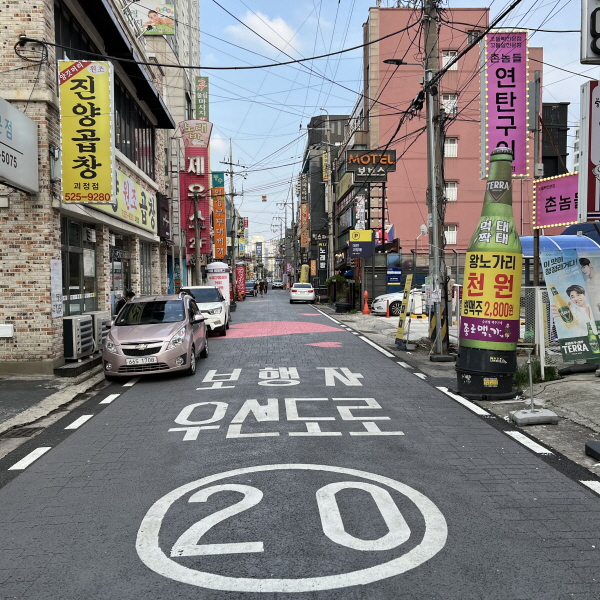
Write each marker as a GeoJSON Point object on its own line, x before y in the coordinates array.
{"type": "Point", "coordinates": [18, 149]}
{"type": "Point", "coordinates": [506, 57]}
{"type": "Point", "coordinates": [86, 131]}
{"type": "Point", "coordinates": [573, 283]}
{"type": "Point", "coordinates": [304, 226]}
{"type": "Point", "coordinates": [370, 166]}
{"type": "Point", "coordinates": [589, 167]}
{"type": "Point", "coordinates": [219, 215]}
{"type": "Point", "coordinates": [202, 111]}
{"type": "Point", "coordinates": [194, 185]}
{"type": "Point", "coordinates": [555, 201]}
{"type": "Point", "coordinates": [133, 203]}
{"type": "Point", "coordinates": [322, 255]}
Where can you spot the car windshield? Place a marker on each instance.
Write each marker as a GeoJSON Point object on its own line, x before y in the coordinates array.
{"type": "Point", "coordinates": [151, 312]}
{"type": "Point", "coordinates": [205, 294]}
{"type": "Point", "coordinates": [302, 285]}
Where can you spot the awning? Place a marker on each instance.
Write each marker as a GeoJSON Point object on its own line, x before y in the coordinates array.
{"type": "Point", "coordinates": [117, 44]}
{"type": "Point", "coordinates": [559, 242]}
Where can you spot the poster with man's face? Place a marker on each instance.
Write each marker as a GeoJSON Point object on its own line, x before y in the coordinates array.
{"type": "Point", "coordinates": [589, 263]}
{"type": "Point", "coordinates": [154, 19]}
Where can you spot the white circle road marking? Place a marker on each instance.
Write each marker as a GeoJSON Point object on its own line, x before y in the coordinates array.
{"type": "Point", "coordinates": [149, 551]}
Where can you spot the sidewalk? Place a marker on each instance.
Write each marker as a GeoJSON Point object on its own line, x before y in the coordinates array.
{"type": "Point", "coordinates": [575, 398]}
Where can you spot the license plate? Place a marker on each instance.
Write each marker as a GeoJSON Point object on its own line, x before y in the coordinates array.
{"type": "Point", "coordinates": [140, 361]}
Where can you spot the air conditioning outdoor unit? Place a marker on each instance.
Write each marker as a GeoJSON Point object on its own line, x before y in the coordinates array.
{"type": "Point", "coordinates": [101, 326]}
{"type": "Point", "coordinates": [78, 336]}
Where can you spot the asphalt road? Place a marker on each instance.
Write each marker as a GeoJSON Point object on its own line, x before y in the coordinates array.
{"type": "Point", "coordinates": [300, 462]}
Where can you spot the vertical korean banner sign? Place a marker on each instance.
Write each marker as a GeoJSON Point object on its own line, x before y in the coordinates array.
{"type": "Point", "coordinates": [202, 106]}
{"type": "Point", "coordinates": [589, 167]}
{"type": "Point", "coordinates": [505, 122]}
{"type": "Point", "coordinates": [86, 131]}
{"type": "Point", "coordinates": [555, 201]}
{"type": "Point", "coordinates": [572, 302]}
{"type": "Point", "coordinates": [194, 180]}
{"type": "Point", "coordinates": [219, 214]}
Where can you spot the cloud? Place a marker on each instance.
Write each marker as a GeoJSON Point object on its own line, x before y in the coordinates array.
{"type": "Point", "coordinates": [276, 31]}
{"type": "Point", "coordinates": [219, 148]}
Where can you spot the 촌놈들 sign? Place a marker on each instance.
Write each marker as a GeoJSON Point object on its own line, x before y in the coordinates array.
{"type": "Point", "coordinates": [555, 201]}
{"type": "Point", "coordinates": [505, 123]}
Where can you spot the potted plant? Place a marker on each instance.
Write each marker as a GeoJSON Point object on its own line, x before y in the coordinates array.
{"type": "Point", "coordinates": [340, 285]}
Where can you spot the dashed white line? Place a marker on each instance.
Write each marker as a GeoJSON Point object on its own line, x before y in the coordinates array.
{"type": "Point", "coordinates": [593, 485]}
{"type": "Point", "coordinates": [356, 333]}
{"type": "Point", "coordinates": [109, 399]}
{"type": "Point", "coordinates": [421, 375]}
{"type": "Point", "coordinates": [131, 382]}
{"type": "Point", "coordinates": [79, 422]}
{"type": "Point", "coordinates": [384, 352]}
{"type": "Point", "coordinates": [330, 318]}
{"type": "Point", "coordinates": [472, 407]}
{"type": "Point", "coordinates": [523, 439]}
{"type": "Point", "coordinates": [405, 365]}
{"type": "Point", "coordinates": [31, 457]}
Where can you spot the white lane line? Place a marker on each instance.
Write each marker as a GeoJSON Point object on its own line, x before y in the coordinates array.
{"type": "Point", "coordinates": [356, 333]}
{"type": "Point", "coordinates": [132, 382]}
{"type": "Point", "coordinates": [384, 352]}
{"type": "Point", "coordinates": [79, 422]}
{"type": "Point", "coordinates": [472, 407]}
{"type": "Point", "coordinates": [523, 439]}
{"type": "Point", "coordinates": [31, 457]}
{"type": "Point", "coordinates": [405, 365]}
{"type": "Point", "coordinates": [593, 485]}
{"type": "Point", "coordinates": [109, 399]}
{"type": "Point", "coordinates": [330, 318]}
{"type": "Point", "coordinates": [421, 375]}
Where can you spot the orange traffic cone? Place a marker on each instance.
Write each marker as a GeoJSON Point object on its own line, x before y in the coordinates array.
{"type": "Point", "coordinates": [387, 309]}
{"type": "Point", "coordinates": [365, 310]}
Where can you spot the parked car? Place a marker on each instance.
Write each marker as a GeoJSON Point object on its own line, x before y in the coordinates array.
{"type": "Point", "coordinates": [213, 305]}
{"type": "Point", "coordinates": [395, 299]}
{"type": "Point", "coordinates": [302, 292]}
{"type": "Point", "coordinates": [277, 284]}
{"type": "Point", "coordinates": [249, 287]}
{"type": "Point", "coordinates": [155, 334]}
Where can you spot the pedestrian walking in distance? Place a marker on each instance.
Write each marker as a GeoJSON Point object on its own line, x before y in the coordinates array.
{"type": "Point", "coordinates": [261, 287]}
{"type": "Point", "coordinates": [255, 290]}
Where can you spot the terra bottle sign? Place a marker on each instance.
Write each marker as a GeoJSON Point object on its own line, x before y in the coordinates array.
{"type": "Point", "coordinates": [492, 279]}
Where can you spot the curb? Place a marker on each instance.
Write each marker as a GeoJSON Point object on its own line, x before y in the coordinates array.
{"type": "Point", "coordinates": [53, 402]}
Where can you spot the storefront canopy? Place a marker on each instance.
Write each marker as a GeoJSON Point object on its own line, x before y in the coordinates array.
{"type": "Point", "coordinates": [559, 242]}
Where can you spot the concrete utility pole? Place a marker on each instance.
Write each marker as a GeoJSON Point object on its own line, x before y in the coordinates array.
{"type": "Point", "coordinates": [435, 192]}
{"type": "Point", "coordinates": [233, 225]}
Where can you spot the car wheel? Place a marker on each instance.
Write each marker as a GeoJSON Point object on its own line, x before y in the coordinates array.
{"type": "Point", "coordinates": [223, 332]}
{"type": "Point", "coordinates": [192, 368]}
{"type": "Point", "coordinates": [204, 353]}
{"type": "Point", "coordinates": [227, 326]}
{"type": "Point", "coordinates": [291, 302]}
{"type": "Point", "coordinates": [110, 377]}
{"type": "Point", "coordinates": [395, 309]}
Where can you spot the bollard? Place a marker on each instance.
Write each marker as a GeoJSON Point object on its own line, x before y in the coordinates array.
{"type": "Point", "coordinates": [387, 309]}
{"type": "Point", "coordinates": [365, 310]}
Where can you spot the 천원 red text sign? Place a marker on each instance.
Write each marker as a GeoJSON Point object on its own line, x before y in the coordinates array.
{"type": "Point", "coordinates": [506, 97]}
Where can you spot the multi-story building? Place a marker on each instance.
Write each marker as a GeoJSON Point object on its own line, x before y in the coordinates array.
{"type": "Point", "coordinates": [554, 138]}
{"type": "Point", "coordinates": [58, 258]}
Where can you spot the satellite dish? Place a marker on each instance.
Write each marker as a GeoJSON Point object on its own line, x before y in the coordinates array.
{"type": "Point", "coordinates": [423, 229]}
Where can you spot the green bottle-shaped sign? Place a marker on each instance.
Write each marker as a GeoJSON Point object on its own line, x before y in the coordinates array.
{"type": "Point", "coordinates": [593, 340]}
{"type": "Point", "coordinates": [563, 308]}
{"type": "Point", "coordinates": [492, 281]}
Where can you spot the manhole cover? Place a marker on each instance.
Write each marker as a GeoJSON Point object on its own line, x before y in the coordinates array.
{"type": "Point", "coordinates": [22, 432]}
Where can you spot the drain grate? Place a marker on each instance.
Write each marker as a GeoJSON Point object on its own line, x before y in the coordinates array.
{"type": "Point", "coordinates": [21, 432]}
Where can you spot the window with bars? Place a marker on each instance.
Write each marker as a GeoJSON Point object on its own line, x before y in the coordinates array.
{"type": "Point", "coordinates": [450, 234]}
{"type": "Point", "coordinates": [447, 56]}
{"type": "Point", "coordinates": [450, 103]}
{"type": "Point", "coordinates": [451, 147]}
{"type": "Point", "coordinates": [473, 35]}
{"type": "Point", "coordinates": [451, 191]}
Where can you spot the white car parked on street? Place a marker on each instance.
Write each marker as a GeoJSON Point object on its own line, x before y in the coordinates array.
{"type": "Point", "coordinates": [213, 306]}
{"type": "Point", "coordinates": [415, 304]}
{"type": "Point", "coordinates": [302, 292]}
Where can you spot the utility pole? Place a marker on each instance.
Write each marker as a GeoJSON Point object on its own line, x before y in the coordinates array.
{"type": "Point", "coordinates": [198, 266]}
{"type": "Point", "coordinates": [329, 202]}
{"type": "Point", "coordinates": [435, 183]}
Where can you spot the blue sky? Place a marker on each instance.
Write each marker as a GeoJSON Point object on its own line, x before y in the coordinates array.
{"type": "Point", "coordinates": [261, 110]}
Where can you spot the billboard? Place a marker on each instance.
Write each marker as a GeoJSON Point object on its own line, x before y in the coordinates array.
{"type": "Point", "coordinates": [555, 201]}
{"type": "Point", "coordinates": [219, 215]}
{"type": "Point", "coordinates": [589, 165]}
{"type": "Point", "coordinates": [505, 100]}
{"type": "Point", "coordinates": [154, 19]}
{"type": "Point", "coordinates": [202, 110]}
{"type": "Point", "coordinates": [87, 131]}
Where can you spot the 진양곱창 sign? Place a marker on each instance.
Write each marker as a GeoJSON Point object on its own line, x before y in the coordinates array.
{"type": "Point", "coordinates": [86, 131]}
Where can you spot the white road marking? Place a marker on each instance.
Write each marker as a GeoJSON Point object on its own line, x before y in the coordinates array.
{"type": "Point", "coordinates": [356, 333]}
{"type": "Point", "coordinates": [434, 536]}
{"type": "Point", "coordinates": [405, 365]}
{"type": "Point", "coordinates": [79, 422]}
{"type": "Point", "coordinates": [31, 457]}
{"type": "Point", "coordinates": [472, 407]}
{"type": "Point", "coordinates": [109, 399]}
{"type": "Point", "coordinates": [593, 485]}
{"type": "Point", "coordinates": [384, 352]}
{"type": "Point", "coordinates": [523, 439]}
{"type": "Point", "coordinates": [132, 382]}
{"type": "Point", "coordinates": [330, 318]}
{"type": "Point", "coordinates": [421, 375]}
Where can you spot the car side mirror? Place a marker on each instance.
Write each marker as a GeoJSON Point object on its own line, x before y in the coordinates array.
{"type": "Point", "coordinates": [197, 319]}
